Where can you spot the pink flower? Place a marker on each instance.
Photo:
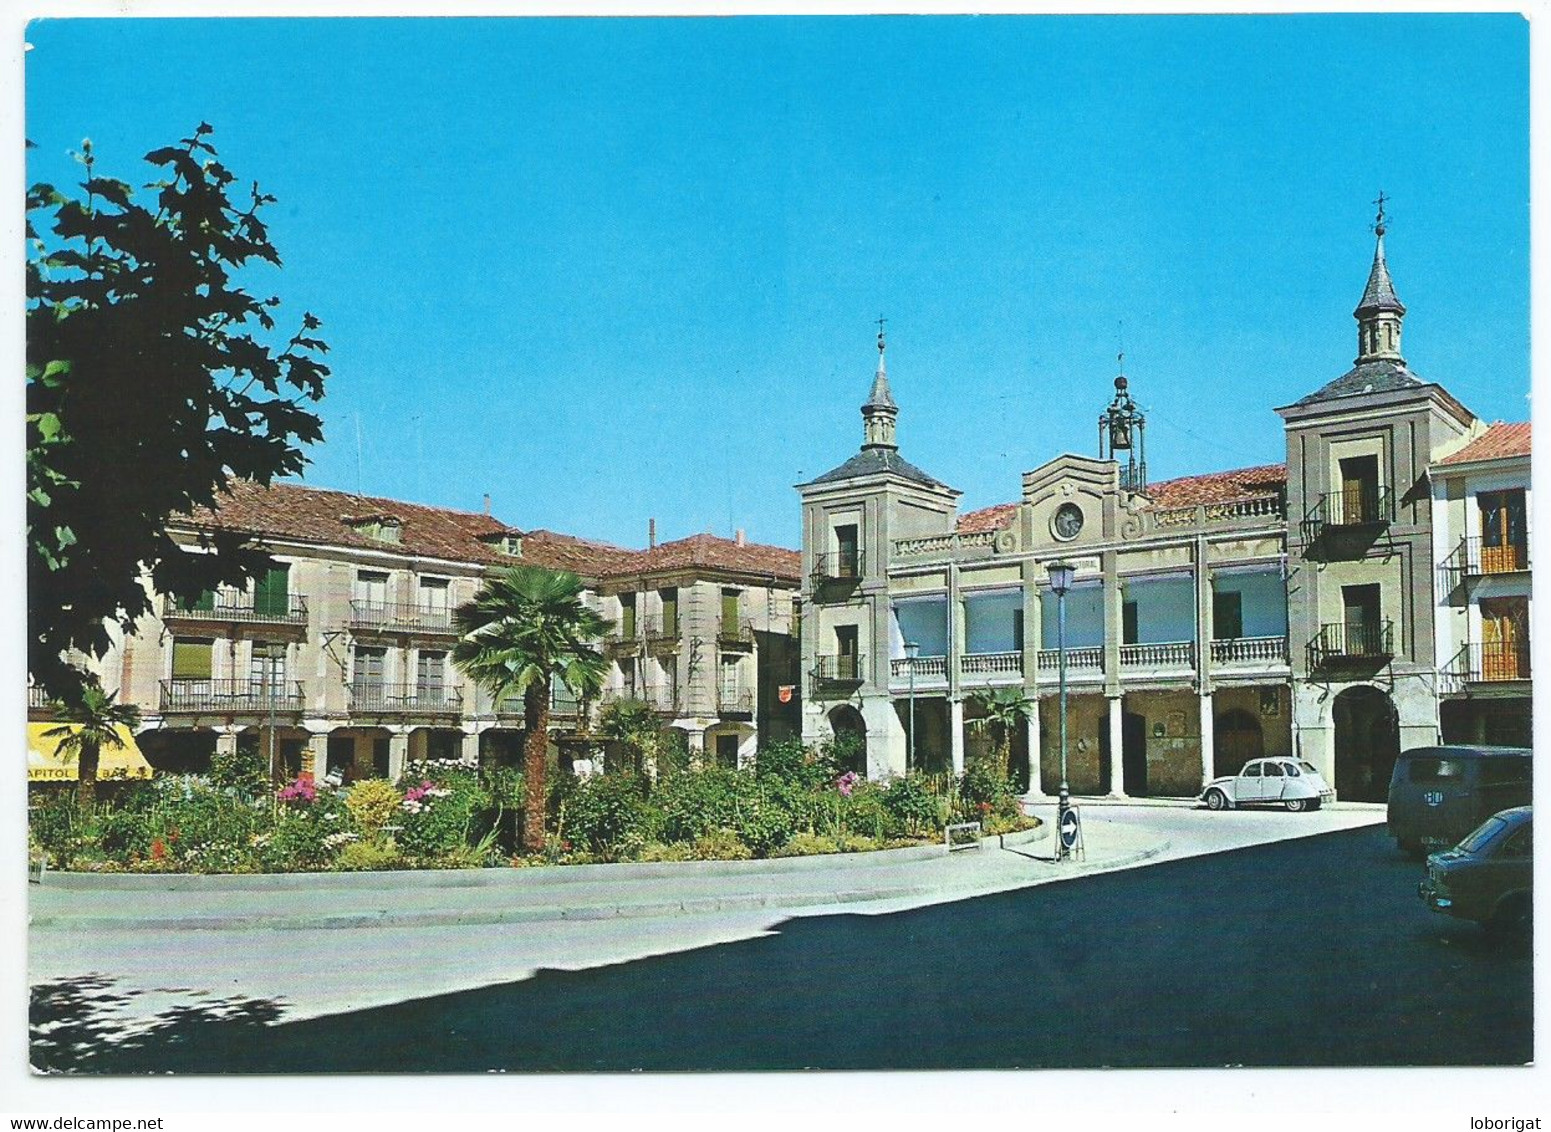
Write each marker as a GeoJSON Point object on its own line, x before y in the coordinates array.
{"type": "Point", "coordinates": [302, 790]}
{"type": "Point", "coordinates": [846, 783]}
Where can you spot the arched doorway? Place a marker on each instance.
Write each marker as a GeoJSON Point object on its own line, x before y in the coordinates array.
{"type": "Point", "coordinates": [1236, 738]}
{"type": "Point", "coordinates": [850, 738]}
{"type": "Point", "coordinates": [1367, 743]}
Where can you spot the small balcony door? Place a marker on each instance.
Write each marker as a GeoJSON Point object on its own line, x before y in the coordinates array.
{"type": "Point", "coordinates": [849, 650]}
{"type": "Point", "coordinates": [1505, 639]}
{"type": "Point", "coordinates": [1360, 609]}
{"type": "Point", "coordinates": [848, 564]}
{"type": "Point", "coordinates": [730, 681]}
{"type": "Point", "coordinates": [272, 593]}
{"type": "Point", "coordinates": [431, 678]}
{"type": "Point", "coordinates": [1504, 541]}
{"type": "Point", "coordinates": [370, 670]}
{"type": "Point", "coordinates": [266, 668]}
{"type": "Point", "coordinates": [434, 602]}
{"type": "Point", "coordinates": [1360, 489]}
{"type": "Point", "coordinates": [371, 589]}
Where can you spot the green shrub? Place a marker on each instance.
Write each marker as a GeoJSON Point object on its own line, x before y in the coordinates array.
{"type": "Point", "coordinates": [439, 811]}
{"type": "Point", "coordinates": [787, 760]}
{"type": "Point", "coordinates": [58, 827]}
{"type": "Point", "coordinates": [606, 814]}
{"type": "Point", "coordinates": [654, 851]}
{"type": "Point", "coordinates": [807, 844]}
{"type": "Point", "coordinates": [696, 802]}
{"type": "Point", "coordinates": [373, 803]}
{"type": "Point", "coordinates": [366, 856]}
{"type": "Point", "coordinates": [243, 773]}
{"type": "Point", "coordinates": [913, 804]}
{"type": "Point", "coordinates": [721, 845]}
{"type": "Point", "coordinates": [763, 821]}
{"type": "Point", "coordinates": [866, 813]}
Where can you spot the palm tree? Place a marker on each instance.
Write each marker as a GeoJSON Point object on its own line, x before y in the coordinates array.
{"type": "Point", "coordinates": [1004, 710]}
{"type": "Point", "coordinates": [90, 724]}
{"type": "Point", "coordinates": [526, 627]}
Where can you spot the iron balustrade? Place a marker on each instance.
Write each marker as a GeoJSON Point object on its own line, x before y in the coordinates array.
{"type": "Point", "coordinates": [406, 699]}
{"type": "Point", "coordinates": [739, 631]}
{"type": "Point", "coordinates": [842, 669]}
{"type": "Point", "coordinates": [1474, 557]}
{"type": "Point", "coordinates": [1250, 650]}
{"type": "Point", "coordinates": [37, 697]}
{"type": "Point", "coordinates": [840, 566]}
{"type": "Point", "coordinates": [1362, 506]}
{"type": "Point", "coordinates": [735, 701]}
{"type": "Point", "coordinates": [1088, 659]}
{"type": "Point", "coordinates": [926, 667]}
{"type": "Point", "coordinates": [1491, 661]}
{"type": "Point", "coordinates": [239, 607]}
{"type": "Point", "coordinates": [991, 664]}
{"type": "Point", "coordinates": [659, 631]}
{"type": "Point", "coordinates": [1338, 641]}
{"type": "Point", "coordinates": [196, 694]}
{"type": "Point", "coordinates": [400, 616]}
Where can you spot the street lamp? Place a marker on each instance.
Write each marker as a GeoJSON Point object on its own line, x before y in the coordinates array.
{"type": "Point", "coordinates": [1060, 575]}
{"type": "Point", "coordinates": [912, 650]}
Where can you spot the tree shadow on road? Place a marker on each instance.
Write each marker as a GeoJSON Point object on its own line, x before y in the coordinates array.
{"type": "Point", "coordinates": [1307, 953]}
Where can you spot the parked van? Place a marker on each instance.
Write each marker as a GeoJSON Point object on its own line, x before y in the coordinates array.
{"type": "Point", "coordinates": [1439, 794]}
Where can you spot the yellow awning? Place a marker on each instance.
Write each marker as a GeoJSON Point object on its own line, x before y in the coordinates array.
{"type": "Point", "coordinates": [45, 765]}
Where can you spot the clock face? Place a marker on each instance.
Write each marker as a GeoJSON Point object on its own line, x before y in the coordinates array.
{"type": "Point", "coordinates": [1068, 521]}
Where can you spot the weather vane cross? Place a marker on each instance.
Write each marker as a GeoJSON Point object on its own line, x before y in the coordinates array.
{"type": "Point", "coordinates": [1378, 221]}
{"type": "Point", "coordinates": [881, 321]}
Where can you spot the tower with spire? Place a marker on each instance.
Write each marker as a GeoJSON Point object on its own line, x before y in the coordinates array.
{"type": "Point", "coordinates": [1380, 312]}
{"type": "Point", "coordinates": [880, 412]}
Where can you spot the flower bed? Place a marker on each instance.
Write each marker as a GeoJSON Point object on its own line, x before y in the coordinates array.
{"type": "Point", "coordinates": [794, 802]}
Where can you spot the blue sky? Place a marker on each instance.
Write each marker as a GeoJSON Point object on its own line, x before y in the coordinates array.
{"type": "Point", "coordinates": [611, 269]}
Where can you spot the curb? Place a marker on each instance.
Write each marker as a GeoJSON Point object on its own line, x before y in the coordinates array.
{"type": "Point", "coordinates": [555, 913]}
{"type": "Point", "coordinates": [400, 879]}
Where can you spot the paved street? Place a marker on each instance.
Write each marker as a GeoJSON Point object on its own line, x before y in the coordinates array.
{"type": "Point", "coordinates": [1302, 952]}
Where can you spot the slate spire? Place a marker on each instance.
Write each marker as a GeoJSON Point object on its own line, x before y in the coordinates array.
{"type": "Point", "coordinates": [1380, 312]}
{"type": "Point", "coordinates": [880, 412]}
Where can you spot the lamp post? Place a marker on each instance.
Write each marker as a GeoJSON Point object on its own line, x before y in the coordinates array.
{"type": "Point", "coordinates": [1060, 575]}
{"type": "Point", "coordinates": [912, 650]}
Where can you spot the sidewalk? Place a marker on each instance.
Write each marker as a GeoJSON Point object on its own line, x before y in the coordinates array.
{"type": "Point", "coordinates": [74, 902]}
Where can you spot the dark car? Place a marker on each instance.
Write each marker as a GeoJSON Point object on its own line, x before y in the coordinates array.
{"type": "Point", "coordinates": [1487, 876]}
{"type": "Point", "coordinates": [1439, 794]}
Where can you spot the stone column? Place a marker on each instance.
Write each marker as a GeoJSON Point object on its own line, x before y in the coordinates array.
{"type": "Point", "coordinates": [398, 752]}
{"type": "Point", "coordinates": [956, 734]}
{"type": "Point", "coordinates": [1036, 783]}
{"type": "Point", "coordinates": [315, 756]}
{"type": "Point", "coordinates": [1208, 738]}
{"type": "Point", "coordinates": [469, 747]}
{"type": "Point", "coordinates": [226, 741]}
{"type": "Point", "coordinates": [1117, 760]}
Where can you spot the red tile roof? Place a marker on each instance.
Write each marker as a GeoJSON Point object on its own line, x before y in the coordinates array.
{"type": "Point", "coordinates": [711, 552]}
{"type": "Point", "coordinates": [1219, 487]}
{"type": "Point", "coordinates": [323, 517]}
{"type": "Point", "coordinates": [997, 518]}
{"type": "Point", "coordinates": [1499, 442]}
{"type": "Point", "coordinates": [316, 515]}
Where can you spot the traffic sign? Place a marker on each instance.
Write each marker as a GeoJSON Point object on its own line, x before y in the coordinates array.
{"type": "Point", "coordinates": [1069, 823]}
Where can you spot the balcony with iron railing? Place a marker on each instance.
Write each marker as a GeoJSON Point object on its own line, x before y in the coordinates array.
{"type": "Point", "coordinates": [1352, 643]}
{"type": "Point", "coordinates": [1355, 508]}
{"type": "Point", "coordinates": [839, 672]}
{"type": "Point", "coordinates": [562, 706]}
{"type": "Point", "coordinates": [660, 631]}
{"type": "Point", "coordinates": [400, 617]}
{"type": "Point", "coordinates": [928, 669]}
{"type": "Point", "coordinates": [735, 701]}
{"type": "Point", "coordinates": [1492, 662]}
{"type": "Point", "coordinates": [1246, 651]}
{"type": "Point", "coordinates": [1474, 558]}
{"type": "Point", "coordinates": [735, 633]}
{"type": "Point", "coordinates": [37, 698]}
{"type": "Point", "coordinates": [237, 608]}
{"type": "Point", "coordinates": [838, 568]}
{"type": "Point", "coordinates": [406, 699]}
{"type": "Point", "coordinates": [184, 695]}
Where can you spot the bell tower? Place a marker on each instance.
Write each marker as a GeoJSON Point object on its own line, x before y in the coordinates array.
{"type": "Point", "coordinates": [1380, 312]}
{"type": "Point", "coordinates": [1123, 428]}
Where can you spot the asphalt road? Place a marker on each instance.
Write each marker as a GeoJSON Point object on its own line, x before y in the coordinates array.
{"type": "Point", "coordinates": [1312, 952]}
